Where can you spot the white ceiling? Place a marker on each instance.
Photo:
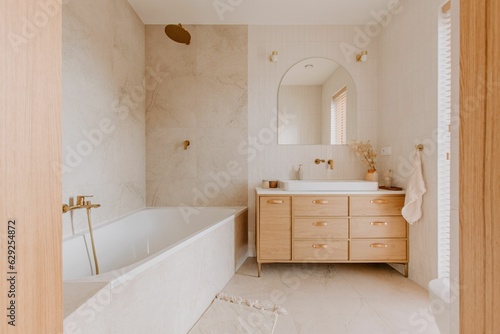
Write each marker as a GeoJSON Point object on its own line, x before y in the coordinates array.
{"type": "Point", "coordinates": [256, 12]}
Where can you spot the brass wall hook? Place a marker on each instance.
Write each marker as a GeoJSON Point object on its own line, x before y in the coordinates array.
{"type": "Point", "coordinates": [186, 144]}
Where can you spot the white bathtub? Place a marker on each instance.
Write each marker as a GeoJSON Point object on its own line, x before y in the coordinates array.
{"type": "Point", "coordinates": [160, 269]}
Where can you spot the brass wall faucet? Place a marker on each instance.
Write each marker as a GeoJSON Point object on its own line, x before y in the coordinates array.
{"type": "Point", "coordinates": [81, 203]}
{"type": "Point", "coordinates": [331, 163]}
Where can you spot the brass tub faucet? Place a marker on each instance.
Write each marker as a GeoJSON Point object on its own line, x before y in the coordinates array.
{"type": "Point", "coordinates": [81, 203]}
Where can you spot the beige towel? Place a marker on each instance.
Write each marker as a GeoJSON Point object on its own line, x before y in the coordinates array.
{"type": "Point", "coordinates": [415, 189]}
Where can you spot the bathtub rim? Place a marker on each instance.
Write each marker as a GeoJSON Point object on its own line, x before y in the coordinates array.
{"type": "Point", "coordinates": [122, 275]}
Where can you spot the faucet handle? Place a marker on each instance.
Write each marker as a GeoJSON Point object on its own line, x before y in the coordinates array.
{"type": "Point", "coordinates": [80, 200]}
{"type": "Point", "coordinates": [331, 163]}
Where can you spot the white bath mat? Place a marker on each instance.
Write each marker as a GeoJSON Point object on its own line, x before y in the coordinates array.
{"type": "Point", "coordinates": [235, 315]}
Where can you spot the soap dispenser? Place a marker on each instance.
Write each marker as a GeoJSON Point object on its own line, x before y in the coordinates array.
{"type": "Point", "coordinates": [300, 173]}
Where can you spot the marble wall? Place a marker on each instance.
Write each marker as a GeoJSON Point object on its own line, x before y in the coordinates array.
{"type": "Point", "coordinates": [201, 96]}
{"type": "Point", "coordinates": [103, 109]}
{"type": "Point", "coordinates": [408, 116]}
{"type": "Point", "coordinates": [267, 159]}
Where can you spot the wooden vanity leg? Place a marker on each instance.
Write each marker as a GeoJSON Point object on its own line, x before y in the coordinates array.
{"type": "Point", "coordinates": [405, 270]}
{"type": "Point", "coordinates": [258, 269]}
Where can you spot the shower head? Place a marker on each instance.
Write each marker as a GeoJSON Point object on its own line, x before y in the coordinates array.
{"type": "Point", "coordinates": [178, 34]}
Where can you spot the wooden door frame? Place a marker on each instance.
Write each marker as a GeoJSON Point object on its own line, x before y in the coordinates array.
{"type": "Point", "coordinates": [30, 160]}
{"type": "Point", "coordinates": [479, 166]}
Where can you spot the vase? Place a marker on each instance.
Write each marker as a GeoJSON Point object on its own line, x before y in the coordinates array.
{"type": "Point", "coordinates": [371, 175]}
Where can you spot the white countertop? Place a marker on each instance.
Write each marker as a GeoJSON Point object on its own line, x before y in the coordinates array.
{"type": "Point", "coordinates": [278, 191]}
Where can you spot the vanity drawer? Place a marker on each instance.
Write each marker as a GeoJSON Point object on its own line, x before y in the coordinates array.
{"type": "Point", "coordinates": [376, 205]}
{"type": "Point", "coordinates": [275, 207]}
{"type": "Point", "coordinates": [320, 206]}
{"type": "Point", "coordinates": [378, 227]}
{"type": "Point", "coordinates": [378, 250]}
{"type": "Point", "coordinates": [321, 250]}
{"type": "Point", "coordinates": [326, 228]}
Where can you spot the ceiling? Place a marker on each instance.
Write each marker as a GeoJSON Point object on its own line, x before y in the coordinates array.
{"type": "Point", "coordinates": [257, 12]}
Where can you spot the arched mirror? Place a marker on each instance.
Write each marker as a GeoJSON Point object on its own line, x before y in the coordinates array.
{"type": "Point", "coordinates": [317, 104]}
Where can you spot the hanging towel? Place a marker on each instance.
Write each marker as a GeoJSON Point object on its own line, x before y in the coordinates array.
{"type": "Point", "coordinates": [415, 189]}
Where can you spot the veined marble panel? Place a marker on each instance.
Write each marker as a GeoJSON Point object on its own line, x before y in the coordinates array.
{"type": "Point", "coordinates": [200, 96]}
{"type": "Point", "coordinates": [103, 109]}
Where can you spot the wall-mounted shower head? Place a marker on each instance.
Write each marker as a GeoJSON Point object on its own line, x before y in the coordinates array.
{"type": "Point", "coordinates": [178, 34]}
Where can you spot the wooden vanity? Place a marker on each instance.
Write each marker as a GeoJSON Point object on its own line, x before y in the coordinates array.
{"type": "Point", "coordinates": [322, 227]}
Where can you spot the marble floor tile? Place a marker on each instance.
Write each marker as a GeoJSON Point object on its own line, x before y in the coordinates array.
{"type": "Point", "coordinates": [337, 298]}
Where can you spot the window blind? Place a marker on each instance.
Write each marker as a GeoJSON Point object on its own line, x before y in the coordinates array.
{"type": "Point", "coordinates": [444, 114]}
{"type": "Point", "coordinates": [338, 117]}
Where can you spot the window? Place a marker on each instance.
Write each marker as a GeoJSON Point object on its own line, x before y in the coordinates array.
{"type": "Point", "coordinates": [338, 117]}
{"type": "Point", "coordinates": [444, 139]}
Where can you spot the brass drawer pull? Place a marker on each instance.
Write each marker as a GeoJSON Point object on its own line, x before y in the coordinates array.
{"type": "Point", "coordinates": [378, 224]}
{"type": "Point", "coordinates": [320, 224]}
{"type": "Point", "coordinates": [275, 201]}
{"type": "Point", "coordinates": [378, 245]}
{"type": "Point", "coordinates": [378, 201]}
{"type": "Point", "coordinates": [320, 201]}
{"type": "Point", "coordinates": [320, 246]}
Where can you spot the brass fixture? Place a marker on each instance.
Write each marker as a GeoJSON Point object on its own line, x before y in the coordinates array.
{"type": "Point", "coordinates": [362, 57]}
{"type": "Point", "coordinates": [419, 147]}
{"type": "Point", "coordinates": [186, 144]}
{"type": "Point", "coordinates": [274, 56]}
{"type": "Point", "coordinates": [81, 203]}
{"type": "Point", "coordinates": [178, 34]}
{"type": "Point", "coordinates": [318, 161]}
{"type": "Point", "coordinates": [92, 240]}
{"type": "Point", "coordinates": [331, 163]}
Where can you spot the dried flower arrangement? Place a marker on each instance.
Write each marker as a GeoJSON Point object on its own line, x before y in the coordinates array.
{"type": "Point", "coordinates": [365, 152]}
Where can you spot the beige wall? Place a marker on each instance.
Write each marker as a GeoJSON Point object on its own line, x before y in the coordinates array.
{"type": "Point", "coordinates": [267, 159]}
{"type": "Point", "coordinates": [408, 116]}
{"type": "Point", "coordinates": [201, 97]}
{"type": "Point", "coordinates": [103, 109]}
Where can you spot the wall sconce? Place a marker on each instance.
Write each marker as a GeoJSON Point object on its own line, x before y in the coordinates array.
{"type": "Point", "coordinates": [274, 56]}
{"type": "Point", "coordinates": [362, 57]}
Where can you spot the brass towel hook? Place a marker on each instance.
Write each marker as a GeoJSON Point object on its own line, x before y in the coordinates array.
{"type": "Point", "coordinates": [419, 147]}
{"type": "Point", "coordinates": [186, 144]}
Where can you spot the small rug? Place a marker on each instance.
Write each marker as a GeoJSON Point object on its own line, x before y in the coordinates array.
{"type": "Point", "coordinates": [236, 315]}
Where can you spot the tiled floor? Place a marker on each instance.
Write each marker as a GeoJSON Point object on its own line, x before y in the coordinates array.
{"type": "Point", "coordinates": [337, 298]}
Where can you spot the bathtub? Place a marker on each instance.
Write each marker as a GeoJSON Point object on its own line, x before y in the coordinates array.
{"type": "Point", "coordinates": [444, 302]}
{"type": "Point", "coordinates": [160, 269]}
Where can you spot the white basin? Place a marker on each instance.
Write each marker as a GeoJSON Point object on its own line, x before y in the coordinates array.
{"type": "Point", "coordinates": [328, 185]}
